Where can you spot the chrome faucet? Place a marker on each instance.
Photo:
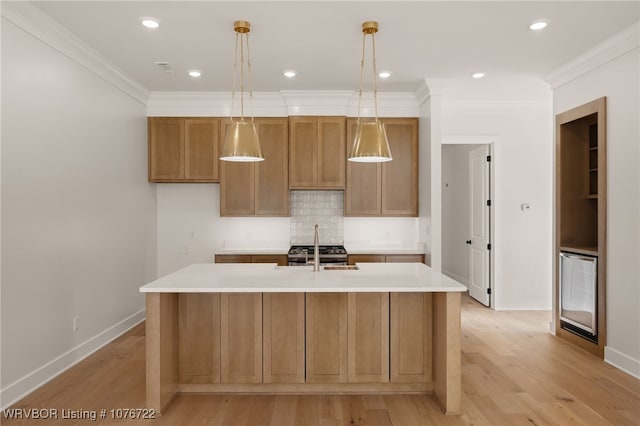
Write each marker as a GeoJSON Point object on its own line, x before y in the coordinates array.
{"type": "Point", "coordinates": [316, 251]}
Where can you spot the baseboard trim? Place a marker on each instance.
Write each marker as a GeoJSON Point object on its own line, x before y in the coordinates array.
{"type": "Point", "coordinates": [622, 362]}
{"type": "Point", "coordinates": [32, 381]}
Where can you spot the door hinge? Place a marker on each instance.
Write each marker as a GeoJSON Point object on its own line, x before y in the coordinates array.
{"type": "Point", "coordinates": [488, 158]}
{"type": "Point", "coordinates": [488, 203]}
{"type": "Point", "coordinates": [489, 290]}
{"type": "Point", "coordinates": [488, 246]}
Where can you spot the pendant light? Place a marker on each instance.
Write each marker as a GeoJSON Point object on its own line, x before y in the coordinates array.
{"type": "Point", "coordinates": [241, 142]}
{"type": "Point", "coordinates": [370, 144]}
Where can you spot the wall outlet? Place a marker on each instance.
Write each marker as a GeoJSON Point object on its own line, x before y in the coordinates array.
{"type": "Point", "coordinates": [76, 324]}
{"type": "Point", "coordinates": [183, 250]}
{"type": "Point", "coordinates": [249, 235]}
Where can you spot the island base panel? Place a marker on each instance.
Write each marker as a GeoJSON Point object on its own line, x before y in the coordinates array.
{"type": "Point", "coordinates": [162, 349]}
{"type": "Point", "coordinates": [436, 370]}
{"type": "Point", "coordinates": [446, 353]}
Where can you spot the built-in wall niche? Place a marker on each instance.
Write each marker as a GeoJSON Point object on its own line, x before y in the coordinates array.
{"type": "Point", "coordinates": [581, 210]}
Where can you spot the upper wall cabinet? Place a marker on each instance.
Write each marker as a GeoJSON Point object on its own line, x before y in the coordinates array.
{"type": "Point", "coordinates": [261, 188]}
{"type": "Point", "coordinates": [385, 189]}
{"type": "Point", "coordinates": [317, 152]}
{"type": "Point", "coordinates": [183, 149]}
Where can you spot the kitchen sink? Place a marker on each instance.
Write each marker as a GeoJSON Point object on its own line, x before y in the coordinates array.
{"type": "Point", "coordinates": [341, 268]}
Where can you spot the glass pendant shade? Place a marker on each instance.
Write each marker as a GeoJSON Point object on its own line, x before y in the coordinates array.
{"type": "Point", "coordinates": [241, 142]}
{"type": "Point", "coordinates": [370, 144]}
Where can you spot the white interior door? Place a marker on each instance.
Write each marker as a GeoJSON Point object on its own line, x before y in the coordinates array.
{"type": "Point", "coordinates": [479, 220]}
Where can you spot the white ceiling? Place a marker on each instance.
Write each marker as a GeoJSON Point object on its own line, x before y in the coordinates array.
{"type": "Point", "coordinates": [322, 40]}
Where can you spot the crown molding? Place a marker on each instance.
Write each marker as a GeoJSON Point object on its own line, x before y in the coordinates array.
{"type": "Point", "coordinates": [610, 49]}
{"type": "Point", "coordinates": [317, 102]}
{"type": "Point", "coordinates": [282, 104]}
{"type": "Point", "coordinates": [213, 104]}
{"type": "Point", "coordinates": [32, 20]}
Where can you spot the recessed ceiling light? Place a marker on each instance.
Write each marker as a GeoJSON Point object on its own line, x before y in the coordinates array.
{"type": "Point", "coordinates": [150, 22]}
{"type": "Point", "coordinates": [384, 74]}
{"type": "Point", "coordinates": [195, 73]}
{"type": "Point", "coordinates": [478, 75]}
{"type": "Point", "coordinates": [539, 24]}
{"type": "Point", "coordinates": [289, 74]}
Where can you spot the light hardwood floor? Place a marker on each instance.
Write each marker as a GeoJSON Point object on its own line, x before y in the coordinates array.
{"type": "Point", "coordinates": [513, 373]}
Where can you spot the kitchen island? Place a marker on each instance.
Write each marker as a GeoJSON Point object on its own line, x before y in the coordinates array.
{"type": "Point", "coordinates": [262, 328]}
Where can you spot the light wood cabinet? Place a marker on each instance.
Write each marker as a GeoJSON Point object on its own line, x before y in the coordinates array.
{"type": "Point", "coordinates": [199, 338]}
{"type": "Point", "coordinates": [280, 259]}
{"type": "Point", "coordinates": [352, 259]}
{"type": "Point", "coordinates": [317, 152]}
{"type": "Point", "coordinates": [283, 337]}
{"type": "Point", "coordinates": [326, 331]}
{"type": "Point", "coordinates": [368, 337]}
{"type": "Point", "coordinates": [259, 189]}
{"type": "Point", "coordinates": [395, 258]}
{"type": "Point", "coordinates": [411, 337]}
{"type": "Point", "coordinates": [385, 189]}
{"type": "Point", "coordinates": [241, 337]}
{"type": "Point", "coordinates": [183, 149]}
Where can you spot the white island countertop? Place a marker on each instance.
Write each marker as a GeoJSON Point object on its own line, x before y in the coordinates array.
{"type": "Point", "coordinates": [270, 278]}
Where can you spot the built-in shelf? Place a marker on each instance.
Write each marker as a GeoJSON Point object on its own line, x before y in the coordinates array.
{"type": "Point", "coordinates": [581, 206]}
{"type": "Point", "coordinates": [588, 250]}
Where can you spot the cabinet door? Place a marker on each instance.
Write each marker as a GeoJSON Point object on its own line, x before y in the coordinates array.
{"type": "Point", "coordinates": [233, 258]}
{"type": "Point", "coordinates": [303, 165]}
{"type": "Point", "coordinates": [280, 259]}
{"type": "Point", "coordinates": [332, 153]}
{"type": "Point", "coordinates": [283, 338]}
{"type": "Point", "coordinates": [166, 149]}
{"type": "Point", "coordinates": [400, 176]}
{"type": "Point", "coordinates": [419, 258]}
{"type": "Point", "coordinates": [237, 186]}
{"type": "Point", "coordinates": [241, 337]}
{"type": "Point", "coordinates": [411, 337]}
{"type": "Point", "coordinates": [368, 337]}
{"type": "Point", "coordinates": [362, 195]}
{"type": "Point", "coordinates": [199, 338]}
{"type": "Point", "coordinates": [352, 259]}
{"type": "Point", "coordinates": [272, 174]}
{"type": "Point", "coordinates": [202, 149]}
{"type": "Point", "coordinates": [326, 345]}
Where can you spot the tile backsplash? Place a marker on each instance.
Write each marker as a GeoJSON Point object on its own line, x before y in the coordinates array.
{"type": "Point", "coordinates": [322, 207]}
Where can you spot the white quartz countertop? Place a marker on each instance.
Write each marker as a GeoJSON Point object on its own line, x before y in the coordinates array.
{"type": "Point", "coordinates": [270, 278]}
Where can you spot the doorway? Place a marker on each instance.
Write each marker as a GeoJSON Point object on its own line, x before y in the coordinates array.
{"type": "Point", "coordinates": [466, 217]}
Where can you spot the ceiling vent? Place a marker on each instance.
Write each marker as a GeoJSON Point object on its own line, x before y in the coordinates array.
{"type": "Point", "coordinates": [164, 66]}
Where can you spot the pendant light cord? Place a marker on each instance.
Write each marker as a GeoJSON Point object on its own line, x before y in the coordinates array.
{"type": "Point", "coordinates": [364, 37]}
{"type": "Point", "coordinates": [375, 80]}
{"type": "Point", "coordinates": [235, 70]}
{"type": "Point", "coordinates": [241, 40]}
{"type": "Point", "coordinates": [250, 79]}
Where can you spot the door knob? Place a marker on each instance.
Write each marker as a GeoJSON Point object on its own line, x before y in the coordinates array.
{"type": "Point", "coordinates": [468, 241]}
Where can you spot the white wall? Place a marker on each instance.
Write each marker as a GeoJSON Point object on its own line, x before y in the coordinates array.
{"type": "Point", "coordinates": [618, 81]}
{"type": "Point", "coordinates": [455, 211]}
{"type": "Point", "coordinates": [78, 216]}
{"type": "Point", "coordinates": [522, 166]}
{"type": "Point", "coordinates": [191, 230]}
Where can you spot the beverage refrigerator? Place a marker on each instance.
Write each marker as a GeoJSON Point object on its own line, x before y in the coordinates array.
{"type": "Point", "coordinates": [579, 294]}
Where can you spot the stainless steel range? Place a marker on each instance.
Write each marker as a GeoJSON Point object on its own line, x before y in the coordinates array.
{"type": "Point", "coordinates": [329, 255]}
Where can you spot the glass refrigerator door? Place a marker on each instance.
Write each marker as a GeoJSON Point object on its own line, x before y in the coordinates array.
{"type": "Point", "coordinates": [578, 291]}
